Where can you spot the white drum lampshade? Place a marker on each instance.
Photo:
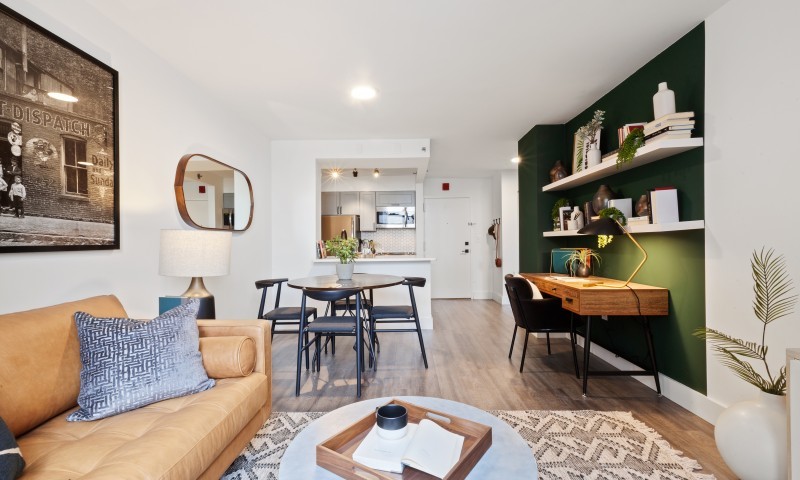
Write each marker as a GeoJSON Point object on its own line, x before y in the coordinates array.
{"type": "Point", "coordinates": [195, 254]}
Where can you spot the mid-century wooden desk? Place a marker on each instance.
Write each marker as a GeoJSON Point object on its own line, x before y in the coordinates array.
{"type": "Point", "coordinates": [595, 296]}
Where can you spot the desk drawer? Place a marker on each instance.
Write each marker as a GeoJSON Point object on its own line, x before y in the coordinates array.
{"type": "Point", "coordinates": [570, 298]}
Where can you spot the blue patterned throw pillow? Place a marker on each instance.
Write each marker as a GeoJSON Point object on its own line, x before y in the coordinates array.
{"type": "Point", "coordinates": [130, 363]}
{"type": "Point", "coordinates": [11, 461]}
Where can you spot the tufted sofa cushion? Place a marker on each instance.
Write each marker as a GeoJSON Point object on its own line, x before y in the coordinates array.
{"type": "Point", "coordinates": [172, 439]}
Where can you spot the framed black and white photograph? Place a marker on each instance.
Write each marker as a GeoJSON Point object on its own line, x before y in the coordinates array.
{"type": "Point", "coordinates": [59, 187]}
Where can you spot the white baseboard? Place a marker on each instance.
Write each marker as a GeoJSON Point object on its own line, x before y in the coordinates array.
{"type": "Point", "coordinates": [482, 295]}
{"type": "Point", "coordinates": [691, 400]}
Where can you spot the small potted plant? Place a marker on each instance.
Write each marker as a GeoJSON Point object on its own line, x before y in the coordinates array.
{"type": "Point", "coordinates": [345, 250]}
{"type": "Point", "coordinates": [579, 262]}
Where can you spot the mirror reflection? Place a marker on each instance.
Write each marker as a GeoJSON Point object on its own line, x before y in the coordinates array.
{"type": "Point", "coordinates": [213, 195]}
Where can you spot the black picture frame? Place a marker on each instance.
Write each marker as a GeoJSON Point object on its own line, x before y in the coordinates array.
{"type": "Point", "coordinates": [64, 151]}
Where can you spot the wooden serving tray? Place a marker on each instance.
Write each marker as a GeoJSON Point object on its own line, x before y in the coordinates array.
{"type": "Point", "coordinates": [336, 453]}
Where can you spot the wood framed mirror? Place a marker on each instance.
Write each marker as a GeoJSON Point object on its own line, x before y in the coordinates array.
{"type": "Point", "coordinates": [212, 195]}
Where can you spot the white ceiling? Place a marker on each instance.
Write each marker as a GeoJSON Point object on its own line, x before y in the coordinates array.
{"type": "Point", "coordinates": [472, 75]}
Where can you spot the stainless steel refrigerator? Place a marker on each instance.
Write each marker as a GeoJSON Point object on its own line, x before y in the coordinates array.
{"type": "Point", "coordinates": [334, 225]}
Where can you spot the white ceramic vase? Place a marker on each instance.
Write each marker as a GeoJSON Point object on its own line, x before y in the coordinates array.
{"type": "Point", "coordinates": [751, 436]}
{"type": "Point", "coordinates": [663, 101]}
{"type": "Point", "coordinates": [593, 156]}
{"type": "Point", "coordinates": [345, 270]}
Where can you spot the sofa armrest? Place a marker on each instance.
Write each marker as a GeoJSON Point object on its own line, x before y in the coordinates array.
{"type": "Point", "coordinates": [258, 330]}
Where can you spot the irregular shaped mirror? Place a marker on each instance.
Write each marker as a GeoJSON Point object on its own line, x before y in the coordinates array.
{"type": "Point", "coordinates": [212, 195]}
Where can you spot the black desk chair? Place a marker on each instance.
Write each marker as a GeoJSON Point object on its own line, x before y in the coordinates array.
{"type": "Point", "coordinates": [536, 315]}
{"type": "Point", "coordinates": [380, 314]}
{"type": "Point", "coordinates": [344, 325]}
{"type": "Point", "coordinates": [280, 315]}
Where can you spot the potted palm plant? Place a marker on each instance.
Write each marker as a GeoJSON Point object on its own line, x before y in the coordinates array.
{"type": "Point", "coordinates": [579, 262]}
{"type": "Point", "coordinates": [345, 250]}
{"type": "Point", "coordinates": [751, 436]}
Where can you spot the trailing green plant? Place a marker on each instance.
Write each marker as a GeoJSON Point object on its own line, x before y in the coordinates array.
{"type": "Point", "coordinates": [772, 300]}
{"type": "Point", "coordinates": [582, 256]}
{"type": "Point", "coordinates": [587, 133]}
{"type": "Point", "coordinates": [561, 202]}
{"type": "Point", "coordinates": [615, 214]}
{"type": "Point", "coordinates": [629, 146]}
{"type": "Point", "coordinates": [343, 248]}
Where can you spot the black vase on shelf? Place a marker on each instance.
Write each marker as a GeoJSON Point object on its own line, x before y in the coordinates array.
{"type": "Point", "coordinates": [601, 198]}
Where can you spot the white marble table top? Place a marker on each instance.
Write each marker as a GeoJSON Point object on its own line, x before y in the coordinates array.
{"type": "Point", "coordinates": [508, 457]}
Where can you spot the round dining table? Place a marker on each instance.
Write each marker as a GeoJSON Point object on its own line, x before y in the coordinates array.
{"type": "Point", "coordinates": [363, 281]}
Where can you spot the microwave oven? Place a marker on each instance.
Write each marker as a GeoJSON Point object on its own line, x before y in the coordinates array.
{"type": "Point", "coordinates": [395, 217]}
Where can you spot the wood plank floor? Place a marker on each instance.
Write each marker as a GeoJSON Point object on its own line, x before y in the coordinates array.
{"type": "Point", "coordinates": [467, 357]}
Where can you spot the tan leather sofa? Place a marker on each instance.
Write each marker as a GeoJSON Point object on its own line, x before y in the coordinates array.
{"type": "Point", "coordinates": [197, 436]}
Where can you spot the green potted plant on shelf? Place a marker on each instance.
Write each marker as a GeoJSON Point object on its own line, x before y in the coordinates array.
{"type": "Point", "coordinates": [615, 214]}
{"type": "Point", "coordinates": [345, 250]}
{"type": "Point", "coordinates": [749, 433]}
{"type": "Point", "coordinates": [554, 213]}
{"type": "Point", "coordinates": [629, 146]}
{"type": "Point", "coordinates": [579, 262]}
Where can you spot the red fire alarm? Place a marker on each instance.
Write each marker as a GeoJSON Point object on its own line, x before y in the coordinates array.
{"type": "Point", "coordinates": [202, 188]}
{"type": "Point", "coordinates": [445, 187]}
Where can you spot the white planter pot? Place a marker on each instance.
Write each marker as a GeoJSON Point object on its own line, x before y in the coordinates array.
{"type": "Point", "coordinates": [593, 156]}
{"type": "Point", "coordinates": [345, 270]}
{"type": "Point", "coordinates": [752, 437]}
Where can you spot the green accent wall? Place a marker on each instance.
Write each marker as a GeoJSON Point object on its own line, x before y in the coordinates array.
{"type": "Point", "coordinates": [676, 259]}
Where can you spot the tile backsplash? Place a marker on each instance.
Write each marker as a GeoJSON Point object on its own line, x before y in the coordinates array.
{"type": "Point", "coordinates": [392, 239]}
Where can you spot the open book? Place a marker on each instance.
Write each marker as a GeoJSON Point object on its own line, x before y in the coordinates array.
{"type": "Point", "coordinates": [426, 447]}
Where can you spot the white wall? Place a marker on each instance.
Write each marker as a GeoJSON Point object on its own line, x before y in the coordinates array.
{"type": "Point", "coordinates": [294, 188]}
{"type": "Point", "coordinates": [162, 116]}
{"type": "Point", "coordinates": [365, 182]}
{"type": "Point", "coordinates": [751, 173]}
{"type": "Point", "coordinates": [505, 205]}
{"type": "Point", "coordinates": [479, 192]}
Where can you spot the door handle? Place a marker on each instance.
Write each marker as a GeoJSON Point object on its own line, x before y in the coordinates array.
{"type": "Point", "coordinates": [465, 251]}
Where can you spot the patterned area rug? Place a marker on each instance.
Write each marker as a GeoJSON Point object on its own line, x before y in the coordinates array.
{"type": "Point", "coordinates": [568, 445]}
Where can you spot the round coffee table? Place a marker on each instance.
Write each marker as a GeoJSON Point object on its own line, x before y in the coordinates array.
{"type": "Point", "coordinates": [508, 457]}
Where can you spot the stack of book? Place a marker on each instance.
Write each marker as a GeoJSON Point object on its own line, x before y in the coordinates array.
{"type": "Point", "coordinates": [674, 125]}
{"type": "Point", "coordinates": [625, 130]}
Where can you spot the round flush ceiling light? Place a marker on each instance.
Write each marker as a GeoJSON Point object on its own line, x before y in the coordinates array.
{"type": "Point", "coordinates": [62, 96]}
{"type": "Point", "coordinates": [516, 160]}
{"type": "Point", "coordinates": [363, 92]}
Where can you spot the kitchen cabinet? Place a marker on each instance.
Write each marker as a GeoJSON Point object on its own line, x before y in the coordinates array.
{"type": "Point", "coordinates": [366, 205]}
{"type": "Point", "coordinates": [340, 203]}
{"type": "Point", "coordinates": [348, 203]}
{"type": "Point", "coordinates": [395, 199]}
{"type": "Point", "coordinates": [330, 203]}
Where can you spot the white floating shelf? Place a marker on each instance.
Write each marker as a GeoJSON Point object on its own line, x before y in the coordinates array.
{"type": "Point", "coordinates": [646, 228]}
{"type": "Point", "coordinates": [649, 153]}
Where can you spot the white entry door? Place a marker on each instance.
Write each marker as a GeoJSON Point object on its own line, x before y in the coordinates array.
{"type": "Point", "coordinates": [447, 236]}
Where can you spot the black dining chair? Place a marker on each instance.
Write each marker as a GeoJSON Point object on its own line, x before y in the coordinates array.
{"type": "Point", "coordinates": [280, 315]}
{"type": "Point", "coordinates": [330, 326]}
{"type": "Point", "coordinates": [393, 314]}
{"type": "Point", "coordinates": [536, 316]}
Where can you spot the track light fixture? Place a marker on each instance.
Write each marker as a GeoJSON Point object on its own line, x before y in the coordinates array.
{"type": "Point", "coordinates": [376, 173]}
{"type": "Point", "coordinates": [355, 172]}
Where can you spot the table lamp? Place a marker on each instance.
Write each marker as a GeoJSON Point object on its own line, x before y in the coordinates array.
{"type": "Point", "coordinates": [609, 226]}
{"type": "Point", "coordinates": [195, 254]}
